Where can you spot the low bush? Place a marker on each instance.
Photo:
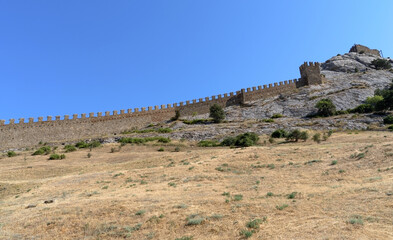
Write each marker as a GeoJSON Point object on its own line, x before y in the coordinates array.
{"type": "Point", "coordinates": [342, 112]}
{"type": "Point", "coordinates": [381, 64]}
{"type": "Point", "coordinates": [83, 144]}
{"type": "Point", "coordinates": [228, 141]}
{"type": "Point", "coordinates": [196, 121]}
{"type": "Point", "coordinates": [279, 133]}
{"type": "Point", "coordinates": [390, 127]}
{"type": "Point", "coordinates": [363, 108]}
{"type": "Point", "coordinates": [277, 115]}
{"type": "Point", "coordinates": [296, 134]}
{"type": "Point", "coordinates": [69, 148]}
{"type": "Point", "coordinates": [268, 120]}
{"type": "Point", "coordinates": [45, 150]}
{"type": "Point", "coordinates": [388, 119]}
{"type": "Point", "coordinates": [144, 140]}
{"type": "Point", "coordinates": [164, 130]}
{"type": "Point", "coordinates": [208, 143]}
{"type": "Point", "coordinates": [56, 157]}
{"type": "Point", "coordinates": [246, 139]}
{"type": "Point", "coordinates": [317, 137]}
{"type": "Point", "coordinates": [11, 154]}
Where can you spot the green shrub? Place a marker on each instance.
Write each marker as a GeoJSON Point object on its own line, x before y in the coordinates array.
{"type": "Point", "coordinates": [277, 115]}
{"type": "Point", "coordinates": [43, 150]}
{"type": "Point", "coordinates": [185, 238]}
{"type": "Point", "coordinates": [164, 130]}
{"type": "Point", "coordinates": [304, 135]}
{"type": "Point", "coordinates": [374, 101]}
{"type": "Point", "coordinates": [294, 135]}
{"type": "Point", "coordinates": [325, 108]}
{"type": "Point", "coordinates": [279, 133]}
{"type": "Point", "coordinates": [81, 144]}
{"type": "Point", "coordinates": [254, 223]}
{"type": "Point", "coordinates": [390, 127]}
{"type": "Point", "coordinates": [161, 149]}
{"type": "Point", "coordinates": [208, 143]}
{"type": "Point", "coordinates": [268, 120]}
{"type": "Point", "coordinates": [246, 139]}
{"type": "Point", "coordinates": [388, 119]}
{"type": "Point", "coordinates": [56, 157]}
{"type": "Point", "coordinates": [217, 113]}
{"type": "Point", "coordinates": [69, 148]}
{"type": "Point", "coordinates": [317, 137]}
{"type": "Point", "coordinates": [228, 141]}
{"type": "Point", "coordinates": [381, 64]}
{"type": "Point", "coordinates": [196, 121]}
{"type": "Point", "coordinates": [194, 219]}
{"type": "Point", "coordinates": [11, 154]}
{"type": "Point", "coordinates": [342, 112]}
{"type": "Point", "coordinates": [144, 140]}
{"type": "Point", "coordinates": [94, 144]}
{"type": "Point", "coordinates": [246, 233]}
{"type": "Point", "coordinates": [363, 108]}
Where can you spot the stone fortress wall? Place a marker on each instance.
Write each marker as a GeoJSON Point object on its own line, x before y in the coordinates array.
{"type": "Point", "coordinates": [27, 134]}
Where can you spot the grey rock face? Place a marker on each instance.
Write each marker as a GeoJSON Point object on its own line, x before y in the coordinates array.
{"type": "Point", "coordinates": [349, 62]}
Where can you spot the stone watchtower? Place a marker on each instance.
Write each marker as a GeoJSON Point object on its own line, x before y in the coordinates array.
{"type": "Point", "coordinates": [310, 73]}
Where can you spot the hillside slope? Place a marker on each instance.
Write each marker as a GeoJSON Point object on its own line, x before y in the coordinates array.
{"type": "Point", "coordinates": [339, 189]}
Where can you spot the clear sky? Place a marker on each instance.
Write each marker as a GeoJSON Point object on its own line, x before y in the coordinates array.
{"type": "Point", "coordinates": [72, 56]}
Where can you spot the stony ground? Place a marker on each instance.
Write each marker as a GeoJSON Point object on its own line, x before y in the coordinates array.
{"type": "Point", "coordinates": [341, 188]}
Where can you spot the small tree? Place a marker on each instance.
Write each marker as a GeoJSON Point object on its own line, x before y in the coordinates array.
{"type": "Point", "coordinates": [326, 108]}
{"type": "Point", "coordinates": [294, 135]}
{"type": "Point", "coordinates": [217, 113]}
{"type": "Point", "coordinates": [177, 116]}
{"type": "Point", "coordinates": [317, 137]}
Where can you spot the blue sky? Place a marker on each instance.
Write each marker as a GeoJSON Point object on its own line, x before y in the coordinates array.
{"type": "Point", "coordinates": [67, 56]}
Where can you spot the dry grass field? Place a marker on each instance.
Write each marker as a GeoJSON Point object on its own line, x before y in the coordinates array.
{"type": "Point", "coordinates": [341, 188]}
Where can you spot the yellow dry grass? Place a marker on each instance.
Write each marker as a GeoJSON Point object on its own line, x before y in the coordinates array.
{"type": "Point", "coordinates": [141, 193]}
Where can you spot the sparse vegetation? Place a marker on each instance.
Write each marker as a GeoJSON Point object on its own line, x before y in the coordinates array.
{"type": "Point", "coordinates": [281, 207]}
{"type": "Point", "coordinates": [144, 140]}
{"type": "Point", "coordinates": [194, 219]}
{"type": "Point", "coordinates": [90, 145]}
{"type": "Point", "coordinates": [356, 220]}
{"type": "Point", "coordinates": [208, 143]}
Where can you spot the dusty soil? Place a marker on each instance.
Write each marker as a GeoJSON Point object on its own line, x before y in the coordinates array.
{"type": "Point", "coordinates": [341, 188]}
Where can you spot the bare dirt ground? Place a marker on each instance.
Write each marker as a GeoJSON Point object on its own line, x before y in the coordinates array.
{"type": "Point", "coordinates": [341, 188]}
